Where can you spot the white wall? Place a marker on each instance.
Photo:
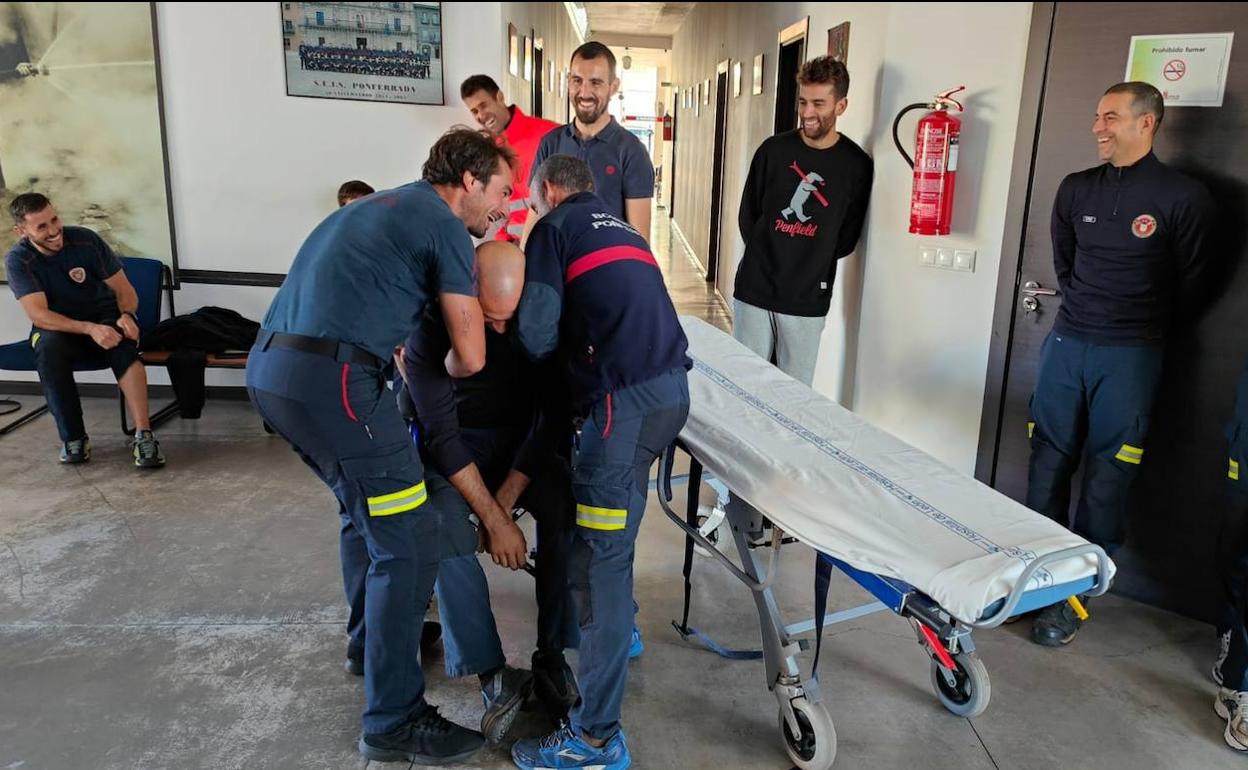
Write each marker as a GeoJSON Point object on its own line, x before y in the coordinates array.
{"type": "Point", "coordinates": [254, 170]}
{"type": "Point", "coordinates": [904, 346]}
{"type": "Point", "coordinates": [924, 333]}
{"type": "Point", "coordinates": [550, 23]}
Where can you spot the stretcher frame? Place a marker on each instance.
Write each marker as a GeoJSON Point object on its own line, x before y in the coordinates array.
{"type": "Point", "coordinates": [959, 677]}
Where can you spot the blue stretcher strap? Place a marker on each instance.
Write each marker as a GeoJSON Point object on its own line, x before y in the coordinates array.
{"type": "Point", "coordinates": [823, 580]}
{"type": "Point", "coordinates": [691, 518]}
{"type": "Point", "coordinates": [716, 647]}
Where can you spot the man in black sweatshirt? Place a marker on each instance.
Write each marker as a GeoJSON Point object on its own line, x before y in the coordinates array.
{"type": "Point", "coordinates": [1131, 238]}
{"type": "Point", "coordinates": [802, 209]}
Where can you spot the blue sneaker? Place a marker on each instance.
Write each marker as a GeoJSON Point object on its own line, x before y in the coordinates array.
{"type": "Point", "coordinates": [565, 749]}
{"type": "Point", "coordinates": [636, 647]}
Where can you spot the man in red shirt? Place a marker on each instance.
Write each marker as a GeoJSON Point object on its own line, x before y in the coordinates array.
{"type": "Point", "coordinates": [484, 99]}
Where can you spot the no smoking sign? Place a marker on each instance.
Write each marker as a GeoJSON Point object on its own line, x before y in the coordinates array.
{"type": "Point", "coordinates": [1175, 69]}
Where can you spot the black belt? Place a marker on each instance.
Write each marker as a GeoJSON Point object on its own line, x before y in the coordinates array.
{"type": "Point", "coordinates": [321, 346]}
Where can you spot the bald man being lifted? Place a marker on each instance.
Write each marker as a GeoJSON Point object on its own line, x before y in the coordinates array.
{"type": "Point", "coordinates": [490, 442]}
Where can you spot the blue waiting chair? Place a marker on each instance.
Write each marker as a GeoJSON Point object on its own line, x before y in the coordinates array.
{"type": "Point", "coordinates": [148, 277]}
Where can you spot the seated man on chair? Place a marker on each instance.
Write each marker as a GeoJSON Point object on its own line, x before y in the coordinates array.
{"type": "Point", "coordinates": [82, 307]}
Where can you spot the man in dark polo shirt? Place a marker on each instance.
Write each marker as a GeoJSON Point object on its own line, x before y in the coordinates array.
{"type": "Point", "coordinates": [81, 307]}
{"type": "Point", "coordinates": [623, 173]}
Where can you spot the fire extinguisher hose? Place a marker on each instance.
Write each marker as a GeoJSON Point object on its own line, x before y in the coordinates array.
{"type": "Point", "coordinates": [897, 123]}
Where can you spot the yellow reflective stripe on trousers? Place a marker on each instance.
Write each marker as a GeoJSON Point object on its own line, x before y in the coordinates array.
{"type": "Point", "coordinates": [397, 502]}
{"type": "Point", "coordinates": [601, 518]}
{"type": "Point", "coordinates": [1233, 473]}
{"type": "Point", "coordinates": [34, 339]}
{"type": "Point", "coordinates": [1031, 429]}
{"type": "Point", "coordinates": [1130, 454]}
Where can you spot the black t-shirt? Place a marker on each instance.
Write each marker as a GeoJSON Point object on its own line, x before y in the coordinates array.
{"type": "Point", "coordinates": [73, 278]}
{"type": "Point", "coordinates": [802, 209]}
{"type": "Point", "coordinates": [511, 395]}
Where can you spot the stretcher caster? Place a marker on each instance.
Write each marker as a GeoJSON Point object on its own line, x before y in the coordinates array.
{"type": "Point", "coordinates": [965, 690]}
{"type": "Point", "coordinates": [816, 748]}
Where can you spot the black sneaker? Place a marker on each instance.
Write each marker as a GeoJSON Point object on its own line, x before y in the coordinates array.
{"type": "Point", "coordinates": [427, 739]}
{"type": "Point", "coordinates": [147, 450]}
{"type": "Point", "coordinates": [504, 694]}
{"type": "Point", "coordinates": [1057, 625]}
{"type": "Point", "coordinates": [554, 684]}
{"type": "Point", "coordinates": [354, 664]}
{"type": "Point", "coordinates": [76, 451]}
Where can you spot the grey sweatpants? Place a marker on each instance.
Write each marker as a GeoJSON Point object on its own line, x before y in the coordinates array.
{"type": "Point", "coordinates": [790, 341]}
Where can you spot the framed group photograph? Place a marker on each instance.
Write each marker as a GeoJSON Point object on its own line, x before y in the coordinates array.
{"type": "Point", "coordinates": [374, 52]}
{"type": "Point", "coordinates": [756, 85]}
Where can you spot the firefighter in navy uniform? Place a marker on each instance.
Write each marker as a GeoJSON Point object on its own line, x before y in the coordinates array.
{"type": "Point", "coordinates": [317, 375]}
{"type": "Point", "coordinates": [1130, 241]}
{"type": "Point", "coordinates": [1230, 670]}
{"type": "Point", "coordinates": [594, 293]}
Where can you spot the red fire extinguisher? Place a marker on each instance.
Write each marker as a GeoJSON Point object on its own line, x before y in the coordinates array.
{"type": "Point", "coordinates": [667, 128]}
{"type": "Point", "coordinates": [935, 163]}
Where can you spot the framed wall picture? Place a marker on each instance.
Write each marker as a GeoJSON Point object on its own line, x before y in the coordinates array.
{"type": "Point", "coordinates": [81, 121]}
{"type": "Point", "coordinates": [736, 79]}
{"type": "Point", "coordinates": [528, 57]}
{"type": "Point", "coordinates": [513, 51]}
{"type": "Point", "coordinates": [372, 52]}
{"type": "Point", "coordinates": [838, 43]}
{"type": "Point", "coordinates": [756, 85]}
{"type": "Point", "coordinates": [706, 91]}
{"type": "Point", "coordinates": [550, 79]}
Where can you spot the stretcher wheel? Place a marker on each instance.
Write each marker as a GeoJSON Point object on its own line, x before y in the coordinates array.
{"type": "Point", "coordinates": [816, 749]}
{"type": "Point", "coordinates": [968, 695]}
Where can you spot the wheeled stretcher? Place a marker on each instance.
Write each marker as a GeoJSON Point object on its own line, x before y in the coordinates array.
{"type": "Point", "coordinates": [929, 543]}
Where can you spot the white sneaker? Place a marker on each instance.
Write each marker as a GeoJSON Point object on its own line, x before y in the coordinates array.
{"type": "Point", "coordinates": [1224, 649]}
{"type": "Point", "coordinates": [1232, 705]}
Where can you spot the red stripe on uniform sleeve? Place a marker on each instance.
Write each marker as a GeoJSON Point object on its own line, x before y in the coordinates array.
{"type": "Point", "coordinates": [596, 259]}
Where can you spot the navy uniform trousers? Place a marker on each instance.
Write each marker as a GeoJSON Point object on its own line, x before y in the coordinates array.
{"type": "Point", "coordinates": [1093, 399]}
{"type": "Point", "coordinates": [620, 440]}
{"type": "Point", "coordinates": [472, 644]}
{"type": "Point", "coordinates": [1233, 552]}
{"type": "Point", "coordinates": [340, 417]}
{"type": "Point", "coordinates": [57, 353]}
{"type": "Point", "coordinates": [470, 635]}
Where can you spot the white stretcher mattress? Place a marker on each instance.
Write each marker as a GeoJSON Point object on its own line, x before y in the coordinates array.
{"type": "Point", "coordinates": [856, 492]}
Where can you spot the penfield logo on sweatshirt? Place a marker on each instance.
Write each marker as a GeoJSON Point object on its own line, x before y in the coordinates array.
{"type": "Point", "coordinates": [1143, 226]}
{"type": "Point", "coordinates": [795, 229]}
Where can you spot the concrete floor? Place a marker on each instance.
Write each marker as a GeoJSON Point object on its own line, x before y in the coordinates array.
{"type": "Point", "coordinates": [193, 618]}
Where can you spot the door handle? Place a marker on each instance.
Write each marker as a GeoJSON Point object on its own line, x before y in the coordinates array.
{"type": "Point", "coordinates": [1033, 289]}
